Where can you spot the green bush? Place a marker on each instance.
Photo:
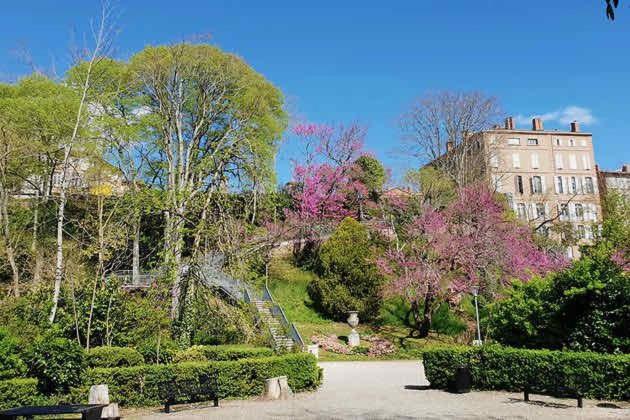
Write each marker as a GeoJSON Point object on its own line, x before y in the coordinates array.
{"type": "Point", "coordinates": [221, 353]}
{"type": "Point", "coordinates": [585, 308]}
{"type": "Point", "coordinates": [160, 350]}
{"type": "Point", "coordinates": [114, 357]}
{"type": "Point", "coordinates": [57, 362]}
{"type": "Point", "coordinates": [146, 385]}
{"type": "Point", "coordinates": [11, 364]}
{"type": "Point", "coordinates": [18, 392]}
{"type": "Point", "coordinates": [593, 375]}
{"type": "Point", "coordinates": [349, 279]}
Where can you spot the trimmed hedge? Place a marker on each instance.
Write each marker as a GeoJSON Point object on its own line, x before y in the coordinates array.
{"type": "Point", "coordinates": [18, 392]}
{"type": "Point", "coordinates": [108, 357]}
{"type": "Point", "coordinates": [221, 353]}
{"type": "Point", "coordinates": [146, 385]}
{"type": "Point", "coordinates": [594, 375]}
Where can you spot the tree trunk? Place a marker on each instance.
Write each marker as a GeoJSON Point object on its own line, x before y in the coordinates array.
{"type": "Point", "coordinates": [135, 260]}
{"type": "Point", "coordinates": [35, 251]}
{"type": "Point", "coordinates": [423, 321]}
{"type": "Point", "coordinates": [6, 233]}
{"type": "Point", "coordinates": [60, 221]}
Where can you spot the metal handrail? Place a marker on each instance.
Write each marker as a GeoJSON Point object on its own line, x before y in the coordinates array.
{"type": "Point", "coordinates": [289, 326]}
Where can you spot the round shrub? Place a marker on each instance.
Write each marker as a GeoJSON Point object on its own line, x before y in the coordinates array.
{"type": "Point", "coordinates": [349, 279]}
{"type": "Point", "coordinates": [114, 357]}
{"type": "Point", "coordinates": [57, 362]}
{"type": "Point", "coordinates": [11, 364]}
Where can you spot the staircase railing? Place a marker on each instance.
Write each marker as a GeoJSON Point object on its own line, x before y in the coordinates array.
{"type": "Point", "coordinates": [278, 312]}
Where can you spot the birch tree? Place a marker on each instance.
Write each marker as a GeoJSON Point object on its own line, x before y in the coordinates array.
{"type": "Point", "coordinates": [214, 120]}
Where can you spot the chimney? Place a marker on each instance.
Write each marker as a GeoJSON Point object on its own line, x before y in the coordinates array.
{"type": "Point", "coordinates": [537, 124]}
{"type": "Point", "coordinates": [509, 123]}
{"type": "Point", "coordinates": [449, 146]}
{"type": "Point", "coordinates": [625, 168]}
{"type": "Point", "coordinates": [575, 127]}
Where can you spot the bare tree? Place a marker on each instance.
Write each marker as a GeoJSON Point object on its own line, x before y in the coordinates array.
{"type": "Point", "coordinates": [440, 129]}
{"type": "Point", "coordinates": [102, 33]}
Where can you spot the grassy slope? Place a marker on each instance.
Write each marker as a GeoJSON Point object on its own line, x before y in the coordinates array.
{"type": "Point", "coordinates": [288, 284]}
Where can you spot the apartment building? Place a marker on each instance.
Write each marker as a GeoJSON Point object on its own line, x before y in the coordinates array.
{"type": "Point", "coordinates": [546, 175]}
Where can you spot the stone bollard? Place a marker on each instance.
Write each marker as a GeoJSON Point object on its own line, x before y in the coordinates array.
{"type": "Point", "coordinates": [285, 391]}
{"type": "Point", "coordinates": [314, 350]}
{"type": "Point", "coordinates": [272, 389]}
{"type": "Point", "coordinates": [99, 394]}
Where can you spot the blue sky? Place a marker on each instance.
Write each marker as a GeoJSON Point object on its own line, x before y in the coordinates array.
{"type": "Point", "coordinates": [366, 61]}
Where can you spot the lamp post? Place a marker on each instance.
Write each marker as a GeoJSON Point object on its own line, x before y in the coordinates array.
{"type": "Point", "coordinates": [475, 292]}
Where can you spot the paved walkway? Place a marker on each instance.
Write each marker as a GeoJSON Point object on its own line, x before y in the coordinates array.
{"type": "Point", "coordinates": [376, 390]}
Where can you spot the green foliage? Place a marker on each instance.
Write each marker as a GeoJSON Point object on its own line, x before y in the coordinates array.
{"type": "Point", "coordinates": [114, 357]}
{"type": "Point", "coordinates": [221, 353]}
{"type": "Point", "coordinates": [57, 362]}
{"type": "Point", "coordinates": [217, 322]}
{"type": "Point", "coordinates": [289, 285]}
{"type": "Point", "coordinates": [349, 279]}
{"type": "Point", "coordinates": [371, 174]}
{"type": "Point", "coordinates": [237, 379]}
{"type": "Point", "coordinates": [161, 349]}
{"type": "Point", "coordinates": [593, 375]}
{"type": "Point", "coordinates": [11, 364]}
{"type": "Point", "coordinates": [437, 189]}
{"type": "Point", "coordinates": [445, 321]}
{"type": "Point", "coordinates": [18, 392]}
{"type": "Point", "coordinates": [585, 307]}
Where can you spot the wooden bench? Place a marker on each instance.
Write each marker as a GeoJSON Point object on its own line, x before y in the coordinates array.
{"type": "Point", "coordinates": [558, 392]}
{"type": "Point", "coordinates": [207, 388]}
{"type": "Point", "coordinates": [87, 411]}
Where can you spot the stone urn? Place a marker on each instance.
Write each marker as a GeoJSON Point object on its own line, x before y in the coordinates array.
{"type": "Point", "coordinates": [353, 320]}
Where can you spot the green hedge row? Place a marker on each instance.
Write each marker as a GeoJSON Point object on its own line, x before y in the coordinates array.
{"type": "Point", "coordinates": [114, 357]}
{"type": "Point", "coordinates": [221, 353]}
{"type": "Point", "coordinates": [594, 375]}
{"type": "Point", "coordinates": [19, 391]}
{"type": "Point", "coordinates": [146, 385]}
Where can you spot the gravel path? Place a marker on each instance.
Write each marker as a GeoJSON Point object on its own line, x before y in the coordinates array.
{"type": "Point", "coordinates": [377, 390]}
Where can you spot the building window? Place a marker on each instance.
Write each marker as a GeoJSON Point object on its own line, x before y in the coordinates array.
{"type": "Point", "coordinates": [572, 162]}
{"type": "Point", "coordinates": [514, 142]}
{"type": "Point", "coordinates": [559, 188]}
{"type": "Point", "coordinates": [579, 212]}
{"type": "Point", "coordinates": [588, 185]}
{"type": "Point", "coordinates": [571, 142]}
{"type": "Point", "coordinates": [496, 182]}
{"type": "Point", "coordinates": [558, 142]}
{"type": "Point", "coordinates": [583, 143]}
{"type": "Point", "coordinates": [532, 142]}
{"type": "Point", "coordinates": [522, 211]}
{"type": "Point", "coordinates": [540, 210]}
{"type": "Point", "coordinates": [519, 184]}
{"type": "Point", "coordinates": [580, 232]}
{"type": "Point", "coordinates": [558, 161]}
{"type": "Point", "coordinates": [516, 160]}
{"type": "Point", "coordinates": [536, 185]}
{"type": "Point", "coordinates": [586, 162]}
{"type": "Point", "coordinates": [588, 232]}
{"type": "Point", "coordinates": [564, 211]}
{"type": "Point", "coordinates": [573, 185]}
{"type": "Point", "coordinates": [535, 161]}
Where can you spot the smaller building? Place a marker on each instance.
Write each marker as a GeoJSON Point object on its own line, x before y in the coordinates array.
{"type": "Point", "coordinates": [618, 181]}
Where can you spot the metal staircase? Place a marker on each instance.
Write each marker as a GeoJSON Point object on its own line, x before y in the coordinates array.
{"type": "Point", "coordinates": [284, 334]}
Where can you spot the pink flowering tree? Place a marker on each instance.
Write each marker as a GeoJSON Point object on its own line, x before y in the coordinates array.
{"type": "Point", "coordinates": [323, 185]}
{"type": "Point", "coordinates": [471, 242]}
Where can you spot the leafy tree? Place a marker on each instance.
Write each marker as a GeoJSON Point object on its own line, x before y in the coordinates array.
{"type": "Point", "coordinates": [441, 254]}
{"type": "Point", "coordinates": [349, 279]}
{"type": "Point", "coordinates": [371, 173]}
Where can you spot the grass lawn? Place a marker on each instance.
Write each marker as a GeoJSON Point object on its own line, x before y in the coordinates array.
{"type": "Point", "coordinates": [288, 284]}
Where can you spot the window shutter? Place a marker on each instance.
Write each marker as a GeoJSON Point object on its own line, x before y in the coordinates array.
{"type": "Point", "coordinates": [531, 185]}
{"type": "Point", "coordinates": [558, 161]}
{"type": "Point", "coordinates": [571, 211]}
{"type": "Point", "coordinates": [542, 183]}
{"type": "Point", "coordinates": [566, 185]}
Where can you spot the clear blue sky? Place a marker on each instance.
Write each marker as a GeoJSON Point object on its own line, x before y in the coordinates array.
{"type": "Point", "coordinates": [366, 61]}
